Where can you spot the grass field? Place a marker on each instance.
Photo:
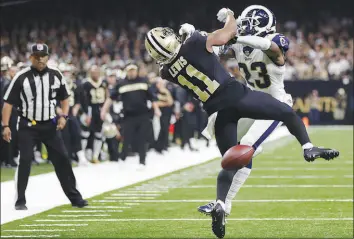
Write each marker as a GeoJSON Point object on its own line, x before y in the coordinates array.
{"type": "Point", "coordinates": [285, 197]}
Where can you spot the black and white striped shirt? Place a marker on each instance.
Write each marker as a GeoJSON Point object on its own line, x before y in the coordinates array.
{"type": "Point", "coordinates": [36, 93]}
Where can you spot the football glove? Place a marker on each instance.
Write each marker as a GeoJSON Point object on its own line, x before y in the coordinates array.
{"type": "Point", "coordinates": [186, 28]}
{"type": "Point", "coordinates": [222, 14]}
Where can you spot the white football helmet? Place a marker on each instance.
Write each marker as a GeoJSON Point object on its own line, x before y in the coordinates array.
{"type": "Point", "coordinates": [256, 20]}
{"type": "Point", "coordinates": [109, 129]}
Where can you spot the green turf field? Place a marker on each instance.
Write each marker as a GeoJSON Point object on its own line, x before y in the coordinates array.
{"type": "Point", "coordinates": [285, 197]}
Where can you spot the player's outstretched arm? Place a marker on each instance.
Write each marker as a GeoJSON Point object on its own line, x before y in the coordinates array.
{"type": "Point", "coordinates": [222, 36]}
{"type": "Point", "coordinates": [269, 47]}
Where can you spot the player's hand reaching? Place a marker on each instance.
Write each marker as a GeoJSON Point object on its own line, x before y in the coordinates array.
{"type": "Point", "coordinates": [222, 14]}
{"type": "Point", "coordinates": [186, 28]}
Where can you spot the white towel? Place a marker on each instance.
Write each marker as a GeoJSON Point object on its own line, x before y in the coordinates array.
{"type": "Point", "coordinates": [209, 130]}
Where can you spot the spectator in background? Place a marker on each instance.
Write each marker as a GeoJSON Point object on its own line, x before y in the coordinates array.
{"type": "Point", "coordinates": [314, 114]}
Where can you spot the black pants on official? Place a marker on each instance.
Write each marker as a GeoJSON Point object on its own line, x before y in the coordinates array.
{"type": "Point", "coordinates": [45, 132]}
{"type": "Point", "coordinates": [255, 105]}
{"type": "Point", "coordinates": [136, 131]}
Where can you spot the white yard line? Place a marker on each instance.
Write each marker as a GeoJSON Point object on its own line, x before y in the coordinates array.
{"type": "Point", "coordinates": [201, 219]}
{"type": "Point", "coordinates": [276, 186]}
{"type": "Point", "coordinates": [297, 176]}
{"type": "Point", "coordinates": [129, 197]}
{"type": "Point", "coordinates": [300, 168]}
{"type": "Point", "coordinates": [89, 211]}
{"type": "Point", "coordinates": [39, 230]}
{"type": "Point", "coordinates": [102, 207]}
{"type": "Point", "coordinates": [246, 201]}
{"type": "Point", "coordinates": [135, 194]}
{"type": "Point", "coordinates": [108, 176]}
{"type": "Point", "coordinates": [143, 191]}
{"type": "Point", "coordinates": [294, 176]}
{"type": "Point", "coordinates": [29, 236]}
{"type": "Point", "coordinates": [82, 215]}
{"type": "Point", "coordinates": [53, 225]}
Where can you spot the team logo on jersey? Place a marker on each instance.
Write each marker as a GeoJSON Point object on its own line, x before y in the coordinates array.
{"type": "Point", "coordinates": [283, 41]}
{"type": "Point", "coordinates": [247, 50]}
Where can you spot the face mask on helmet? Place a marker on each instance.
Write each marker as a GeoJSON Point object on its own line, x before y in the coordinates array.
{"type": "Point", "coordinates": [257, 21]}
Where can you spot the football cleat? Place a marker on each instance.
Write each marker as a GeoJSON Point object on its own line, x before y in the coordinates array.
{"type": "Point", "coordinates": [316, 152]}
{"type": "Point", "coordinates": [207, 208]}
{"type": "Point", "coordinates": [218, 220]}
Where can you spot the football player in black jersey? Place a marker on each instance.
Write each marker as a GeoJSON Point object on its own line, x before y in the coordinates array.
{"type": "Point", "coordinates": [72, 131]}
{"type": "Point", "coordinates": [94, 94]}
{"type": "Point", "coordinates": [190, 62]}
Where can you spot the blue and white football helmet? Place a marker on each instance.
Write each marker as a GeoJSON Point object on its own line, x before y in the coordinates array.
{"type": "Point", "coordinates": [256, 20]}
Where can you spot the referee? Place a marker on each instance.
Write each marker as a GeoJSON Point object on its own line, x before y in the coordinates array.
{"type": "Point", "coordinates": [34, 91]}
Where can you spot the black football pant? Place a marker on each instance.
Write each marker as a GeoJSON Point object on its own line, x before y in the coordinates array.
{"type": "Point", "coordinates": [162, 141]}
{"type": "Point", "coordinates": [254, 105]}
{"type": "Point", "coordinates": [136, 130]}
{"type": "Point", "coordinates": [45, 132]}
{"type": "Point", "coordinates": [72, 136]}
{"type": "Point", "coordinates": [113, 148]}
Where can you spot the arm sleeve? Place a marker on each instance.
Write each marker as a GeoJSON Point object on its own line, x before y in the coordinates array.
{"type": "Point", "coordinates": [84, 99]}
{"type": "Point", "coordinates": [13, 92]}
{"type": "Point", "coordinates": [77, 93]}
{"type": "Point", "coordinates": [63, 89]}
{"type": "Point", "coordinates": [152, 93]}
{"type": "Point", "coordinates": [282, 42]}
{"type": "Point", "coordinates": [114, 93]}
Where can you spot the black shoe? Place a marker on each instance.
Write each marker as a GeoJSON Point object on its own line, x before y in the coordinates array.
{"type": "Point", "coordinates": [20, 207]}
{"type": "Point", "coordinates": [80, 204]}
{"type": "Point", "coordinates": [316, 152]}
{"type": "Point", "coordinates": [218, 220]}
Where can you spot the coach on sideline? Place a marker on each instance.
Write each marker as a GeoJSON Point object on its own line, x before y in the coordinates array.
{"type": "Point", "coordinates": [35, 91]}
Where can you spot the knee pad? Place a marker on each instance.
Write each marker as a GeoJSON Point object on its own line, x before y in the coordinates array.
{"type": "Point", "coordinates": [85, 134]}
{"type": "Point", "coordinates": [98, 135]}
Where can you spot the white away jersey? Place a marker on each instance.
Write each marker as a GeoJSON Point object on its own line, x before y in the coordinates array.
{"type": "Point", "coordinates": [260, 72]}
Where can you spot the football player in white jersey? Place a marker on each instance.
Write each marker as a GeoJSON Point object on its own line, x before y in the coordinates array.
{"type": "Point", "coordinates": [260, 53]}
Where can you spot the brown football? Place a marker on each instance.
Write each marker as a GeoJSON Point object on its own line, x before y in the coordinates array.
{"type": "Point", "coordinates": [237, 157]}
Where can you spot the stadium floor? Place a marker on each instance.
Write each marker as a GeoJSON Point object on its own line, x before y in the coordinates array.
{"type": "Point", "coordinates": [285, 197]}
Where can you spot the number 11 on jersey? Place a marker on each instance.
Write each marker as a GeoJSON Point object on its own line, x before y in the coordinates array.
{"type": "Point", "coordinates": [203, 95]}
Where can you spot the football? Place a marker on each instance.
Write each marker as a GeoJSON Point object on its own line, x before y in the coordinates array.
{"type": "Point", "coordinates": [237, 157]}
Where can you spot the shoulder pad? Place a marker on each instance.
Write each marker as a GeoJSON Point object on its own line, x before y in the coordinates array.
{"type": "Point", "coordinates": [281, 40]}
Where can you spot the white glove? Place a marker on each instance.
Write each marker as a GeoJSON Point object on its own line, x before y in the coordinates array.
{"type": "Point", "coordinates": [222, 14]}
{"type": "Point", "coordinates": [186, 28]}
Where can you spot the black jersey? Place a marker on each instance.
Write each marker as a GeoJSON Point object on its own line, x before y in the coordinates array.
{"type": "Point", "coordinates": [135, 94]}
{"type": "Point", "coordinates": [74, 89]}
{"type": "Point", "coordinates": [93, 95]}
{"type": "Point", "coordinates": [200, 72]}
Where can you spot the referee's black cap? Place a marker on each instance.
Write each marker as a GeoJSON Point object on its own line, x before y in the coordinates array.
{"type": "Point", "coordinates": [39, 49]}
